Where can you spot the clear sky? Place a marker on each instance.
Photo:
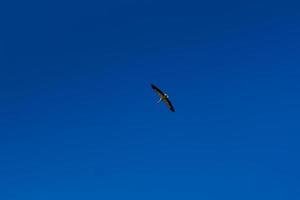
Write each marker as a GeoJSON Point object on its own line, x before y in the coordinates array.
{"type": "Point", "coordinates": [79, 120]}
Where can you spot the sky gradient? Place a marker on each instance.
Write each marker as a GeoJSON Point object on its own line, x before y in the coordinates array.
{"type": "Point", "coordinates": [79, 120]}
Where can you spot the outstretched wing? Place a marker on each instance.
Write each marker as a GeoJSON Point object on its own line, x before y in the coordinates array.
{"type": "Point", "coordinates": [169, 104]}
{"type": "Point", "coordinates": [157, 90]}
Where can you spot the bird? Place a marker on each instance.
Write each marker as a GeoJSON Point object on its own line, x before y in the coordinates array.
{"type": "Point", "coordinates": [163, 97]}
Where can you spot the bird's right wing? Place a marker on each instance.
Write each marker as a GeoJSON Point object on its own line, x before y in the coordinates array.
{"type": "Point", "coordinates": [169, 104]}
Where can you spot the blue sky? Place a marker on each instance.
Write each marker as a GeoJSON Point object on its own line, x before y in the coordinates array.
{"type": "Point", "coordinates": [78, 119]}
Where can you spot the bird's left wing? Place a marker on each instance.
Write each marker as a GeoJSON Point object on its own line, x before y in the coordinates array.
{"type": "Point", "coordinates": [157, 90]}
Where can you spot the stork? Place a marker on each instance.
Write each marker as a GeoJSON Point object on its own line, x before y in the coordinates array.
{"type": "Point", "coordinates": [163, 97]}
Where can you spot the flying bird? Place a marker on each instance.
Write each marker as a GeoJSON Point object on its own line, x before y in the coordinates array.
{"type": "Point", "coordinates": [163, 97]}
